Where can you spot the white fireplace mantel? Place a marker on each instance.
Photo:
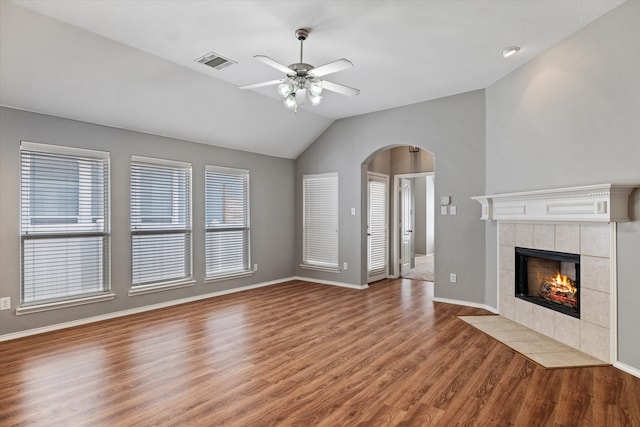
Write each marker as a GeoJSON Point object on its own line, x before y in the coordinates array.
{"type": "Point", "coordinates": [591, 203]}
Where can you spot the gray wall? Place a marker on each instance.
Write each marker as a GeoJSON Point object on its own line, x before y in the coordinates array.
{"type": "Point", "coordinates": [272, 210]}
{"type": "Point", "coordinates": [572, 117]}
{"type": "Point", "coordinates": [453, 130]}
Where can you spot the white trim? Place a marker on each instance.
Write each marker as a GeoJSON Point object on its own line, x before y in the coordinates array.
{"type": "Point", "coordinates": [589, 203]}
{"type": "Point", "coordinates": [213, 279]}
{"type": "Point", "coordinates": [149, 289]}
{"type": "Point", "coordinates": [628, 369]}
{"type": "Point", "coordinates": [28, 309]}
{"type": "Point", "coordinates": [161, 162]}
{"type": "Point", "coordinates": [329, 242]}
{"type": "Point", "coordinates": [245, 175]}
{"type": "Point", "coordinates": [394, 270]}
{"type": "Point", "coordinates": [497, 266]}
{"type": "Point", "coordinates": [226, 170]}
{"type": "Point", "coordinates": [63, 150]}
{"type": "Point", "coordinates": [329, 282]}
{"type": "Point", "coordinates": [378, 177]}
{"type": "Point", "coordinates": [613, 293]}
{"type": "Point", "coordinates": [58, 326]}
{"type": "Point", "coordinates": [319, 268]}
{"type": "Point", "coordinates": [465, 303]}
{"type": "Point", "coordinates": [320, 175]}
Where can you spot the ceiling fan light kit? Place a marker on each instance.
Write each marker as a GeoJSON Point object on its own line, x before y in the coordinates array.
{"type": "Point", "coordinates": [302, 79]}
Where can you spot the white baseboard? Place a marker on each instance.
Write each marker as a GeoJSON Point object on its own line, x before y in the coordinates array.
{"type": "Point", "coordinates": [107, 316]}
{"type": "Point", "coordinates": [466, 304]}
{"type": "Point", "coordinates": [329, 282]}
{"type": "Point", "coordinates": [628, 369]}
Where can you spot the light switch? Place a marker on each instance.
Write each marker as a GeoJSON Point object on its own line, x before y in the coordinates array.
{"type": "Point", "coordinates": [353, 211]}
{"type": "Point", "coordinates": [453, 210]}
{"type": "Point", "coordinates": [443, 210]}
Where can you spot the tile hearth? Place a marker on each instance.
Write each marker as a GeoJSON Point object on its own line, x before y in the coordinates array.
{"type": "Point", "coordinates": [533, 345]}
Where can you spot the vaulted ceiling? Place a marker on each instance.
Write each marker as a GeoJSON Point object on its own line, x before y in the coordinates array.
{"type": "Point", "coordinates": [130, 64]}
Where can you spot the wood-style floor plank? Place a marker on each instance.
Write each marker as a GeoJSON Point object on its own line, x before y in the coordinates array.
{"type": "Point", "coordinates": [300, 354]}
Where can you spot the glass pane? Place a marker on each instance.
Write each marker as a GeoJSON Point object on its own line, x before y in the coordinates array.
{"type": "Point", "coordinates": [56, 269]}
{"type": "Point", "coordinates": [160, 257]}
{"type": "Point", "coordinates": [54, 191]}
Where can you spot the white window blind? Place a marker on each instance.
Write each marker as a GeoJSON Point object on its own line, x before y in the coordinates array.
{"type": "Point", "coordinates": [227, 216]}
{"type": "Point", "coordinates": [64, 223]}
{"type": "Point", "coordinates": [320, 220]}
{"type": "Point", "coordinates": [160, 221]}
{"type": "Point", "coordinates": [377, 232]}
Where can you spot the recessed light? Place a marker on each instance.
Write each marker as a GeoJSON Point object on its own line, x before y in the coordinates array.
{"type": "Point", "coordinates": [510, 51]}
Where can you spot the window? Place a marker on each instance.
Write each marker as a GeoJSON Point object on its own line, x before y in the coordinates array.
{"type": "Point", "coordinates": [320, 221]}
{"type": "Point", "coordinates": [227, 216]}
{"type": "Point", "coordinates": [64, 224]}
{"type": "Point", "coordinates": [160, 222]}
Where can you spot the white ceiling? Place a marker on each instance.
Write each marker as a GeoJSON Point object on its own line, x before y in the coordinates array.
{"type": "Point", "coordinates": [130, 64]}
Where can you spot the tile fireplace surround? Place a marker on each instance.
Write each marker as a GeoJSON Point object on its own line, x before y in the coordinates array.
{"type": "Point", "coordinates": [579, 220]}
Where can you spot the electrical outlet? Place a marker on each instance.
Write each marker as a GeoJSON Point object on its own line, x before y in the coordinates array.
{"type": "Point", "coordinates": [453, 277]}
{"type": "Point", "coordinates": [345, 266]}
{"type": "Point", "coordinates": [255, 267]}
{"type": "Point", "coordinates": [5, 303]}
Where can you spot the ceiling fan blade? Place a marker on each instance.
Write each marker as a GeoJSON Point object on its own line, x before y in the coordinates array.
{"type": "Point", "coordinates": [278, 66]}
{"type": "Point", "coordinates": [331, 67]}
{"type": "Point", "coordinates": [257, 85]}
{"type": "Point", "coordinates": [301, 96]}
{"type": "Point", "coordinates": [338, 88]}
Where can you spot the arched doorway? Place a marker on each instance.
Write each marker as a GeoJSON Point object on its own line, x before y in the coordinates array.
{"type": "Point", "coordinates": [399, 209]}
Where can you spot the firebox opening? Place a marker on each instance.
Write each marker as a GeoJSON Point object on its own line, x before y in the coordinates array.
{"type": "Point", "coordinates": [550, 279]}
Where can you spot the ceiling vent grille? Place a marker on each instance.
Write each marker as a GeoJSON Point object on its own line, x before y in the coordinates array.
{"type": "Point", "coordinates": [215, 61]}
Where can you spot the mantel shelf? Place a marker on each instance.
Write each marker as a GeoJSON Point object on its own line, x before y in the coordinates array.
{"type": "Point", "coordinates": [591, 203]}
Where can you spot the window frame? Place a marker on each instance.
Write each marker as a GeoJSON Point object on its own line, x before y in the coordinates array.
{"type": "Point", "coordinates": [245, 174]}
{"type": "Point", "coordinates": [332, 179]}
{"type": "Point", "coordinates": [85, 226]}
{"type": "Point", "coordinates": [139, 228]}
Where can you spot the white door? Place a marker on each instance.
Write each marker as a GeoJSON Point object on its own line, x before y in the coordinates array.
{"type": "Point", "coordinates": [406, 226]}
{"type": "Point", "coordinates": [377, 228]}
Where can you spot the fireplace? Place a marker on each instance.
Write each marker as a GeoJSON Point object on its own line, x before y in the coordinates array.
{"type": "Point", "coordinates": [581, 222]}
{"type": "Point", "coordinates": [549, 279]}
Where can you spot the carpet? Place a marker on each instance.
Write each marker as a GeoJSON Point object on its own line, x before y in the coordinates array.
{"type": "Point", "coordinates": [423, 269]}
{"type": "Point", "coordinates": [533, 345]}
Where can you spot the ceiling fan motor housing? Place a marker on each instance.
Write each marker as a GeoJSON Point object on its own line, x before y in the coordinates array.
{"type": "Point", "coordinates": [301, 69]}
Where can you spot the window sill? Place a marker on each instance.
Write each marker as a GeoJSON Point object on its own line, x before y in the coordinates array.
{"type": "Point", "coordinates": [142, 290]}
{"type": "Point", "coordinates": [63, 304]}
{"type": "Point", "coordinates": [228, 276]}
{"type": "Point", "coordinates": [319, 268]}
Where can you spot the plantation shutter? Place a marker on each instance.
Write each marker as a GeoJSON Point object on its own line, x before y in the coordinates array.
{"type": "Point", "coordinates": [64, 210]}
{"type": "Point", "coordinates": [320, 220]}
{"type": "Point", "coordinates": [377, 226]}
{"type": "Point", "coordinates": [227, 221]}
{"type": "Point", "coordinates": [160, 221]}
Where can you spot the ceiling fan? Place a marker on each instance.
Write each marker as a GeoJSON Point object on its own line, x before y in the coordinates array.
{"type": "Point", "coordinates": [302, 78]}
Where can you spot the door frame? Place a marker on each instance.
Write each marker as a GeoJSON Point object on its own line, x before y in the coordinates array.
{"type": "Point", "coordinates": [381, 178]}
{"type": "Point", "coordinates": [394, 235]}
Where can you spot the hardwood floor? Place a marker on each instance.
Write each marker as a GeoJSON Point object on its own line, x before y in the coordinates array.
{"type": "Point", "coordinates": [300, 354]}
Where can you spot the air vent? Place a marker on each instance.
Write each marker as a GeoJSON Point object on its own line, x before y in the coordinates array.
{"type": "Point", "coordinates": [215, 61]}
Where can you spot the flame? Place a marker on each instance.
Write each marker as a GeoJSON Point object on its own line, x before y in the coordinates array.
{"type": "Point", "coordinates": [563, 283]}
